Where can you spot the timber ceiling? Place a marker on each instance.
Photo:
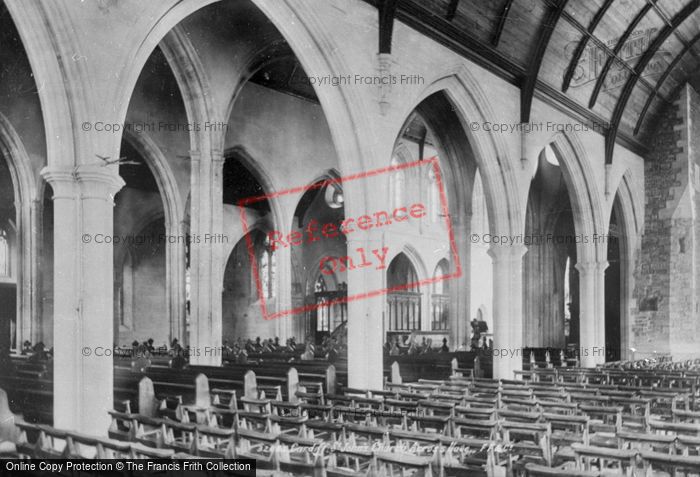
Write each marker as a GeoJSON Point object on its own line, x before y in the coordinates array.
{"type": "Point", "coordinates": [615, 62]}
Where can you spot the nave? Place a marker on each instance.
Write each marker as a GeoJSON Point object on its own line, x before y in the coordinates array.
{"type": "Point", "coordinates": [341, 237]}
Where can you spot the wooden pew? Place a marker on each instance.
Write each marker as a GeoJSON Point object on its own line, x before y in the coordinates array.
{"type": "Point", "coordinates": [30, 396]}
{"type": "Point", "coordinates": [435, 365]}
{"type": "Point", "coordinates": [267, 378]}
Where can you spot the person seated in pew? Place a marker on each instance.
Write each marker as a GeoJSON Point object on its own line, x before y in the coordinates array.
{"type": "Point", "coordinates": [27, 347]}
{"type": "Point", "coordinates": [413, 348]}
{"type": "Point", "coordinates": [175, 347]}
{"type": "Point", "coordinates": [444, 348]}
{"type": "Point", "coordinates": [476, 334]}
{"type": "Point", "coordinates": [250, 346]}
{"type": "Point", "coordinates": [308, 355]}
{"type": "Point", "coordinates": [332, 354]}
{"type": "Point", "coordinates": [142, 351]}
{"type": "Point", "coordinates": [39, 353]}
{"type": "Point", "coordinates": [242, 357]}
{"type": "Point", "coordinates": [395, 351]}
{"type": "Point", "coordinates": [388, 345]}
{"type": "Point", "coordinates": [178, 362]}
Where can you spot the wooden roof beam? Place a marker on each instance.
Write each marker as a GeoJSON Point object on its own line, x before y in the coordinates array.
{"type": "Point", "coordinates": [662, 78]}
{"type": "Point", "coordinates": [605, 49]}
{"type": "Point", "coordinates": [502, 19]}
{"type": "Point", "coordinates": [581, 47]}
{"type": "Point", "coordinates": [621, 42]}
{"type": "Point", "coordinates": [659, 11]}
{"type": "Point", "coordinates": [527, 90]}
{"type": "Point", "coordinates": [387, 13]}
{"type": "Point", "coordinates": [663, 35]}
{"type": "Point", "coordinates": [452, 10]}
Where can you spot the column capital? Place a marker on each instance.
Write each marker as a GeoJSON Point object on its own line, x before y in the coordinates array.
{"type": "Point", "coordinates": [507, 253]}
{"type": "Point", "coordinates": [85, 181]}
{"type": "Point", "coordinates": [217, 155]}
{"type": "Point", "coordinates": [195, 155]}
{"type": "Point", "coordinates": [591, 266]}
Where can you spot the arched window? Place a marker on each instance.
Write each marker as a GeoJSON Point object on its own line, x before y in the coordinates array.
{"type": "Point", "coordinates": [440, 299]}
{"type": "Point", "coordinates": [4, 254]}
{"type": "Point", "coordinates": [268, 270]}
{"type": "Point", "coordinates": [397, 184]}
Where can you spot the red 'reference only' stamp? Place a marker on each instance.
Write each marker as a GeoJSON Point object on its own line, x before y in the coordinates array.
{"type": "Point", "coordinates": [361, 257]}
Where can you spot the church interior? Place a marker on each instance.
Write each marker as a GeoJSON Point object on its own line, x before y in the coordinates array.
{"type": "Point", "coordinates": [352, 237]}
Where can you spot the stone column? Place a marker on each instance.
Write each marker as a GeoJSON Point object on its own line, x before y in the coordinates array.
{"type": "Point", "coordinates": [175, 285]}
{"type": "Point", "coordinates": [507, 309]}
{"type": "Point", "coordinates": [284, 325]}
{"type": "Point", "coordinates": [460, 297]}
{"type": "Point", "coordinates": [365, 322]}
{"type": "Point", "coordinates": [600, 309]}
{"type": "Point", "coordinates": [592, 312]}
{"type": "Point", "coordinates": [206, 260]}
{"type": "Point", "coordinates": [426, 304]}
{"type": "Point", "coordinates": [83, 295]}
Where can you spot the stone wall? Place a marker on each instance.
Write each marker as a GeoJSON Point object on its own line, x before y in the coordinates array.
{"type": "Point", "coordinates": [665, 321]}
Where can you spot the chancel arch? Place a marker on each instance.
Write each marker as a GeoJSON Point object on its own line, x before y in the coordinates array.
{"type": "Point", "coordinates": [456, 202]}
